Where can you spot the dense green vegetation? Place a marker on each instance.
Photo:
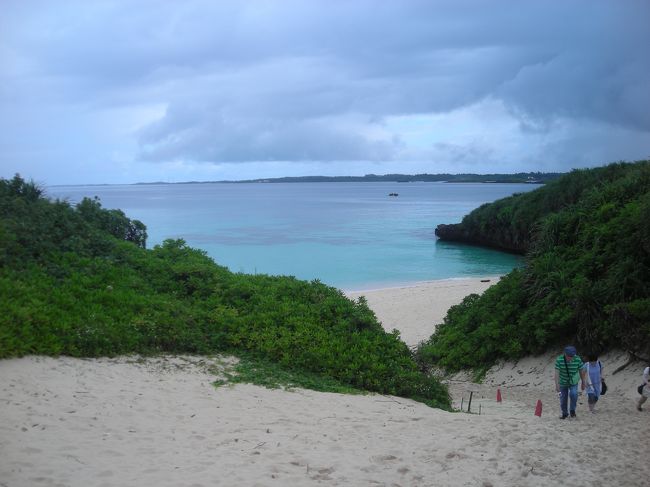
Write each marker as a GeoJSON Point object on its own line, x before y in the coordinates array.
{"type": "Point", "coordinates": [586, 278]}
{"type": "Point", "coordinates": [79, 281]}
{"type": "Point", "coordinates": [263, 372]}
{"type": "Point", "coordinates": [510, 223]}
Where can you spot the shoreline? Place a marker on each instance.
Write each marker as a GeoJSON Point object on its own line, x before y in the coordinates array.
{"type": "Point", "coordinates": [427, 283]}
{"type": "Point", "coordinates": [415, 310]}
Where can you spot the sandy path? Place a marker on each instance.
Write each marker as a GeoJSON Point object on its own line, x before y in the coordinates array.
{"type": "Point", "coordinates": [160, 422]}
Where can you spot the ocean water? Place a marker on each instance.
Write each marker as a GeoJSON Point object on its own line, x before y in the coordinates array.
{"type": "Point", "coordinates": [349, 235]}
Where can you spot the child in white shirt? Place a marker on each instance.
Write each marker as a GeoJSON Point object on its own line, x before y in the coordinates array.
{"type": "Point", "coordinates": [645, 392]}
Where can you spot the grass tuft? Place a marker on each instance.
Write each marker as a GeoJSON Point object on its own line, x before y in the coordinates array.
{"type": "Point", "coordinates": [262, 372]}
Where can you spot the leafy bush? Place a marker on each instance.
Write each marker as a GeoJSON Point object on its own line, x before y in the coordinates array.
{"type": "Point", "coordinates": [586, 278]}
{"type": "Point", "coordinates": [511, 223]}
{"type": "Point", "coordinates": [79, 281]}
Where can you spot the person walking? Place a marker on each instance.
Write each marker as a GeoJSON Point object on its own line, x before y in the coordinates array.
{"type": "Point", "coordinates": [645, 391]}
{"type": "Point", "coordinates": [568, 372]}
{"type": "Point", "coordinates": [594, 375]}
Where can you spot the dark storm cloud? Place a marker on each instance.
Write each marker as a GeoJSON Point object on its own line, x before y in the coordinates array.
{"type": "Point", "coordinates": [317, 80]}
{"type": "Point", "coordinates": [601, 70]}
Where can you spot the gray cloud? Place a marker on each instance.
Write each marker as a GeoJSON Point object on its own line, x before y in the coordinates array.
{"type": "Point", "coordinates": [239, 139]}
{"type": "Point", "coordinates": [317, 80]}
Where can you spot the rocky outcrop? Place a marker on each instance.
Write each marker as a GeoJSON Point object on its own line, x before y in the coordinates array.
{"type": "Point", "coordinates": [458, 233]}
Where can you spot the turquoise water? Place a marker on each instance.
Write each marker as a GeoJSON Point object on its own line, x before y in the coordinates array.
{"type": "Point", "coordinates": [349, 235]}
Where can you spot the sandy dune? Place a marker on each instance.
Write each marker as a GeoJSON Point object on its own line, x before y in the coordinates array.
{"type": "Point", "coordinates": [161, 422]}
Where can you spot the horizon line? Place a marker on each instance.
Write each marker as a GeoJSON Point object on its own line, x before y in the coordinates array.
{"type": "Point", "coordinates": [365, 178]}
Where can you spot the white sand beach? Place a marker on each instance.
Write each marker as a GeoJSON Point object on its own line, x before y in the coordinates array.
{"type": "Point", "coordinates": [415, 310]}
{"type": "Point", "coordinates": [161, 422]}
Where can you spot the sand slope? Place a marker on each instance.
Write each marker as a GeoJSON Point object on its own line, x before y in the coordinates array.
{"type": "Point", "coordinates": [161, 422]}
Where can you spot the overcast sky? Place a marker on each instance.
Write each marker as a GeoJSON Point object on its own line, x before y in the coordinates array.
{"type": "Point", "coordinates": [128, 91]}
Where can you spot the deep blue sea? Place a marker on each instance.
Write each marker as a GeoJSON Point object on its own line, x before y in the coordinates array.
{"type": "Point", "coordinates": [349, 235]}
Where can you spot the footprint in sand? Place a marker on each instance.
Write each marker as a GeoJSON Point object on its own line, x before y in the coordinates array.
{"type": "Point", "coordinates": [323, 474]}
{"type": "Point", "coordinates": [383, 458]}
{"type": "Point", "coordinates": [455, 454]}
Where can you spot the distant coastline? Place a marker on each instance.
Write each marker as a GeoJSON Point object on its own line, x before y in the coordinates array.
{"type": "Point", "coordinates": [518, 178]}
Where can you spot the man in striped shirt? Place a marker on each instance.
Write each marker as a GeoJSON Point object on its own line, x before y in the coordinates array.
{"type": "Point", "coordinates": [568, 372]}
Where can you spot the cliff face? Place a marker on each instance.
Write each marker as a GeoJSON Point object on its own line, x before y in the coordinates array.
{"type": "Point", "coordinates": [500, 241]}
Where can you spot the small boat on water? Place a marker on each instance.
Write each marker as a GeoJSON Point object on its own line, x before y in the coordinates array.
{"type": "Point", "coordinates": [393, 194]}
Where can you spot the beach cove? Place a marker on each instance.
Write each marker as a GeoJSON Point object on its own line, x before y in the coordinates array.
{"type": "Point", "coordinates": [347, 235]}
{"type": "Point", "coordinates": [314, 244]}
{"type": "Point", "coordinates": [160, 421]}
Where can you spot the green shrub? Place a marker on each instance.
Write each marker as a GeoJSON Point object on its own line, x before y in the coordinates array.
{"type": "Point", "coordinates": [586, 278]}
{"type": "Point", "coordinates": [79, 281]}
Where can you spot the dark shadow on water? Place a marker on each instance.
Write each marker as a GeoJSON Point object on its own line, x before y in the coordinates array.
{"type": "Point", "coordinates": [478, 260]}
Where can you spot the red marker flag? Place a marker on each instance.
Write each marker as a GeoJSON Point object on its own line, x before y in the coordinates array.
{"type": "Point", "coordinates": [498, 395]}
{"type": "Point", "coordinates": [538, 408]}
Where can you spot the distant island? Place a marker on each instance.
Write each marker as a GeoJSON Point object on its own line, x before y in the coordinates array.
{"type": "Point", "coordinates": [522, 177]}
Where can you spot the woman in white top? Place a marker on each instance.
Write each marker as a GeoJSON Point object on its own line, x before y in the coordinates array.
{"type": "Point", "coordinates": [645, 393]}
